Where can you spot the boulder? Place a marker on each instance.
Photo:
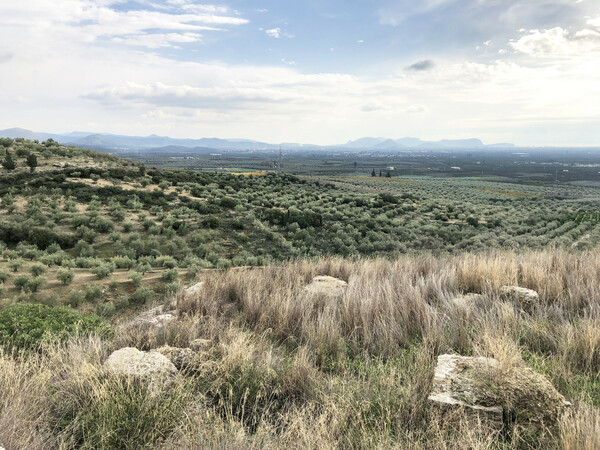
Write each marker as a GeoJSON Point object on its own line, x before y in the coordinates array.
{"type": "Point", "coordinates": [182, 358]}
{"type": "Point", "coordinates": [526, 298]}
{"type": "Point", "coordinates": [193, 290]}
{"type": "Point", "coordinates": [132, 362]}
{"type": "Point", "coordinates": [326, 285]}
{"type": "Point", "coordinates": [494, 395]}
{"type": "Point", "coordinates": [155, 317]}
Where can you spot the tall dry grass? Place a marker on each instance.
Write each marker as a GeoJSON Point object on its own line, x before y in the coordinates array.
{"type": "Point", "coordinates": [285, 369]}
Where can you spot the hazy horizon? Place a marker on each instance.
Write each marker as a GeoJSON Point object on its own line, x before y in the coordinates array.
{"type": "Point", "coordinates": [523, 72]}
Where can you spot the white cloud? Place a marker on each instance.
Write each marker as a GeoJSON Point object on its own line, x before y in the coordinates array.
{"type": "Point", "coordinates": [278, 33]}
{"type": "Point", "coordinates": [558, 42]}
{"type": "Point", "coordinates": [274, 33]}
{"type": "Point", "coordinates": [91, 21]}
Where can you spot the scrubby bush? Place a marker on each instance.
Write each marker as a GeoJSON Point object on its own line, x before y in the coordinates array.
{"type": "Point", "coordinates": [142, 296]}
{"type": "Point", "coordinates": [103, 270]}
{"type": "Point", "coordinates": [26, 326]}
{"type": "Point", "coordinates": [22, 281]}
{"type": "Point", "coordinates": [136, 278]}
{"type": "Point", "coordinates": [4, 276]}
{"type": "Point", "coordinates": [38, 269]}
{"type": "Point", "coordinates": [15, 264]}
{"type": "Point", "coordinates": [75, 298]}
{"type": "Point", "coordinates": [65, 276]}
{"type": "Point", "coordinates": [170, 275]}
{"type": "Point", "coordinates": [36, 283]}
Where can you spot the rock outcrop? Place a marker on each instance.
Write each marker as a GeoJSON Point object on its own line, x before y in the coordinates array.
{"type": "Point", "coordinates": [525, 298]}
{"type": "Point", "coordinates": [493, 395]}
{"type": "Point", "coordinates": [326, 285]}
{"type": "Point", "coordinates": [152, 367]}
{"type": "Point", "coordinates": [155, 317]}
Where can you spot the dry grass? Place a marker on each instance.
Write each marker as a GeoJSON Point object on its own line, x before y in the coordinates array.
{"type": "Point", "coordinates": [290, 370]}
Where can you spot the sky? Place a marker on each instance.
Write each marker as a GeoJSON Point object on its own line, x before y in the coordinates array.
{"type": "Point", "coordinates": [322, 72]}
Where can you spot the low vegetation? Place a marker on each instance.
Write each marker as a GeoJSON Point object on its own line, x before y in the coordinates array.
{"type": "Point", "coordinates": [284, 369]}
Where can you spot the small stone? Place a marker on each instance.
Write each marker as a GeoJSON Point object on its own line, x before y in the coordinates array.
{"type": "Point", "coordinates": [326, 285]}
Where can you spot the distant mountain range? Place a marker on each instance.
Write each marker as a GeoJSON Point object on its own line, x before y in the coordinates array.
{"type": "Point", "coordinates": [163, 144]}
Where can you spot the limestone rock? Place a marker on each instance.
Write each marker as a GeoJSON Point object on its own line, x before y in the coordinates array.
{"type": "Point", "coordinates": [155, 317]}
{"type": "Point", "coordinates": [326, 285]}
{"type": "Point", "coordinates": [453, 388]}
{"type": "Point", "coordinates": [491, 394]}
{"type": "Point", "coordinates": [182, 358]}
{"type": "Point", "coordinates": [193, 290]}
{"type": "Point", "coordinates": [526, 297]}
{"type": "Point", "coordinates": [200, 344]}
{"type": "Point", "coordinates": [131, 362]}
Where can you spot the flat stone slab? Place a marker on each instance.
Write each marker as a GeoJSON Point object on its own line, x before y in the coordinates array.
{"type": "Point", "coordinates": [326, 285]}
{"type": "Point", "coordinates": [487, 392]}
{"type": "Point", "coordinates": [453, 388]}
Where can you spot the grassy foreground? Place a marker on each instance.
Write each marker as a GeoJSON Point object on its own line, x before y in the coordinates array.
{"type": "Point", "coordinates": [284, 370]}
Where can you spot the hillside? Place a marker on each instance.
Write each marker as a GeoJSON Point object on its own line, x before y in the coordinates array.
{"type": "Point", "coordinates": [105, 220]}
{"type": "Point", "coordinates": [98, 254]}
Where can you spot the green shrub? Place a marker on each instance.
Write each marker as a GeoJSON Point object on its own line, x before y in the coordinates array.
{"type": "Point", "coordinates": [142, 295]}
{"type": "Point", "coordinates": [103, 270]}
{"type": "Point", "coordinates": [36, 283]}
{"type": "Point", "coordinates": [4, 276]}
{"type": "Point", "coordinates": [22, 281]}
{"type": "Point", "coordinates": [75, 298]}
{"type": "Point", "coordinates": [26, 326]}
{"type": "Point", "coordinates": [15, 264]}
{"type": "Point", "coordinates": [93, 292]}
{"type": "Point", "coordinates": [170, 275]}
{"type": "Point", "coordinates": [65, 276]}
{"type": "Point", "coordinates": [38, 269]}
{"type": "Point", "coordinates": [136, 278]}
